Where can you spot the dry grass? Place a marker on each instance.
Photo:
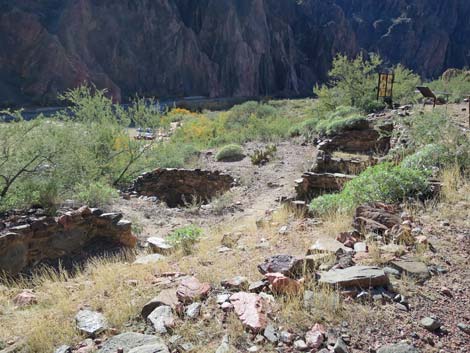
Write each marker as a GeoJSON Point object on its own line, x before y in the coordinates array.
{"type": "Point", "coordinates": [104, 285]}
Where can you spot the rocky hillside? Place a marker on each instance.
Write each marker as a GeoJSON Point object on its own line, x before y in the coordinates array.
{"type": "Point", "coordinates": [215, 48]}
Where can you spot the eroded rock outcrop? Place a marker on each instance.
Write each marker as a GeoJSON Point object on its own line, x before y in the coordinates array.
{"type": "Point", "coordinates": [177, 187]}
{"type": "Point", "coordinates": [365, 136]}
{"type": "Point", "coordinates": [28, 240]}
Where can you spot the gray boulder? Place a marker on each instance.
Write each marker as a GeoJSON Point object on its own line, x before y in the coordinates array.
{"type": "Point", "coordinates": [398, 348]}
{"type": "Point", "coordinates": [130, 340]}
{"type": "Point", "coordinates": [90, 322]}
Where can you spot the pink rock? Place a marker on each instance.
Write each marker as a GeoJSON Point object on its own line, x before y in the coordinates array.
{"type": "Point", "coordinates": [422, 239]}
{"type": "Point", "coordinates": [315, 337]}
{"type": "Point", "coordinates": [25, 298]}
{"type": "Point", "coordinates": [65, 220]}
{"type": "Point", "coordinates": [84, 211]}
{"type": "Point", "coordinates": [281, 284]}
{"type": "Point", "coordinates": [227, 306]}
{"type": "Point", "coordinates": [191, 290]}
{"type": "Point", "coordinates": [251, 309]}
{"type": "Point", "coordinates": [347, 239]}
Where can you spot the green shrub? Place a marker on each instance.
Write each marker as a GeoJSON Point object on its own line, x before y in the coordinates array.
{"type": "Point", "coordinates": [230, 153]}
{"type": "Point", "coordinates": [185, 238]}
{"type": "Point", "coordinates": [457, 86]}
{"type": "Point", "coordinates": [330, 127]}
{"type": "Point", "coordinates": [353, 82]}
{"type": "Point", "coordinates": [430, 157]}
{"type": "Point", "coordinates": [96, 194]}
{"type": "Point", "coordinates": [384, 182]}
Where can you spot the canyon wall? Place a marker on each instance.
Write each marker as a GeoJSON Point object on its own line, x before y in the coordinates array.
{"type": "Point", "coordinates": [215, 48]}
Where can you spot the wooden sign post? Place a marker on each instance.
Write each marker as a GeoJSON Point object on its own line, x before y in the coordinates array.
{"type": "Point", "coordinates": [385, 88]}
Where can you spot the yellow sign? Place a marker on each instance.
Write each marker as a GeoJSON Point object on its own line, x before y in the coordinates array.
{"type": "Point", "coordinates": [385, 85]}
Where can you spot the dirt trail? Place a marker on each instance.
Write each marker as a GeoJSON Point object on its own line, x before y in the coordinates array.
{"type": "Point", "coordinates": [259, 190]}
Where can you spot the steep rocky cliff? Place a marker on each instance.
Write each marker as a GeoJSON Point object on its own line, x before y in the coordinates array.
{"type": "Point", "coordinates": [215, 48]}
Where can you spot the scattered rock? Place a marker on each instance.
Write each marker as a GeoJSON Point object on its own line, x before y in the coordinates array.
{"type": "Point", "coordinates": [300, 345]}
{"type": "Point", "coordinates": [62, 349]}
{"type": "Point", "coordinates": [398, 348]}
{"type": "Point", "coordinates": [288, 265]}
{"type": "Point", "coordinates": [286, 337]}
{"type": "Point", "coordinates": [224, 346]}
{"type": "Point", "coordinates": [257, 287]}
{"type": "Point", "coordinates": [391, 271]}
{"type": "Point", "coordinates": [251, 309]}
{"type": "Point", "coordinates": [230, 240]}
{"type": "Point", "coordinates": [167, 297]}
{"type": "Point", "coordinates": [430, 324]}
{"type": "Point", "coordinates": [159, 245]}
{"type": "Point", "coordinates": [222, 298]}
{"type": "Point", "coordinates": [130, 340]}
{"type": "Point", "coordinates": [328, 245]}
{"type": "Point", "coordinates": [415, 269]}
{"type": "Point", "coordinates": [162, 319]}
{"type": "Point", "coordinates": [315, 336]}
{"type": "Point", "coordinates": [355, 276]}
{"type": "Point", "coordinates": [360, 247]}
{"type": "Point", "coordinates": [149, 259]}
{"type": "Point", "coordinates": [191, 290]}
{"type": "Point", "coordinates": [90, 322]}
{"type": "Point", "coordinates": [25, 298]}
{"type": "Point", "coordinates": [194, 310]}
{"type": "Point", "coordinates": [464, 328]}
{"type": "Point", "coordinates": [340, 346]}
{"type": "Point", "coordinates": [238, 283]}
{"type": "Point", "coordinates": [281, 284]}
{"type": "Point", "coordinates": [271, 334]}
{"type": "Point", "coordinates": [150, 348]}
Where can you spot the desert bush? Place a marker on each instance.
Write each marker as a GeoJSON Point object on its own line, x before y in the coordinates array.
{"type": "Point", "coordinates": [47, 160]}
{"type": "Point", "coordinates": [263, 156]}
{"type": "Point", "coordinates": [384, 182]}
{"type": "Point", "coordinates": [429, 158]}
{"type": "Point", "coordinates": [457, 86]}
{"type": "Point", "coordinates": [342, 117]}
{"type": "Point", "coordinates": [435, 141]}
{"type": "Point", "coordinates": [353, 82]}
{"type": "Point", "coordinates": [246, 122]}
{"type": "Point", "coordinates": [185, 238]}
{"type": "Point", "coordinates": [230, 153]}
{"type": "Point", "coordinates": [95, 194]}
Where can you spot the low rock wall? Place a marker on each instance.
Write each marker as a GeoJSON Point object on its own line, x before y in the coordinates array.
{"type": "Point", "coordinates": [26, 240]}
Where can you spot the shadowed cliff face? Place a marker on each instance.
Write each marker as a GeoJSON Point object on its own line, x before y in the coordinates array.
{"type": "Point", "coordinates": [215, 48]}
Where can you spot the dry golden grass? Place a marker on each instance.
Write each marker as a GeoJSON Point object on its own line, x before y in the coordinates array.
{"type": "Point", "coordinates": [104, 285]}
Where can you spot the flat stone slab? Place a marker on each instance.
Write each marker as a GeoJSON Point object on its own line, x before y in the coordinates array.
{"type": "Point", "coordinates": [398, 348]}
{"type": "Point", "coordinates": [130, 340]}
{"type": "Point", "coordinates": [355, 276]}
{"type": "Point", "coordinates": [149, 259]}
{"type": "Point", "coordinates": [90, 322]}
{"type": "Point", "coordinates": [159, 245]}
{"type": "Point", "coordinates": [167, 297]}
{"type": "Point", "coordinates": [252, 310]}
{"type": "Point", "coordinates": [328, 245]}
{"type": "Point", "coordinates": [162, 319]}
{"type": "Point", "coordinates": [411, 268]}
